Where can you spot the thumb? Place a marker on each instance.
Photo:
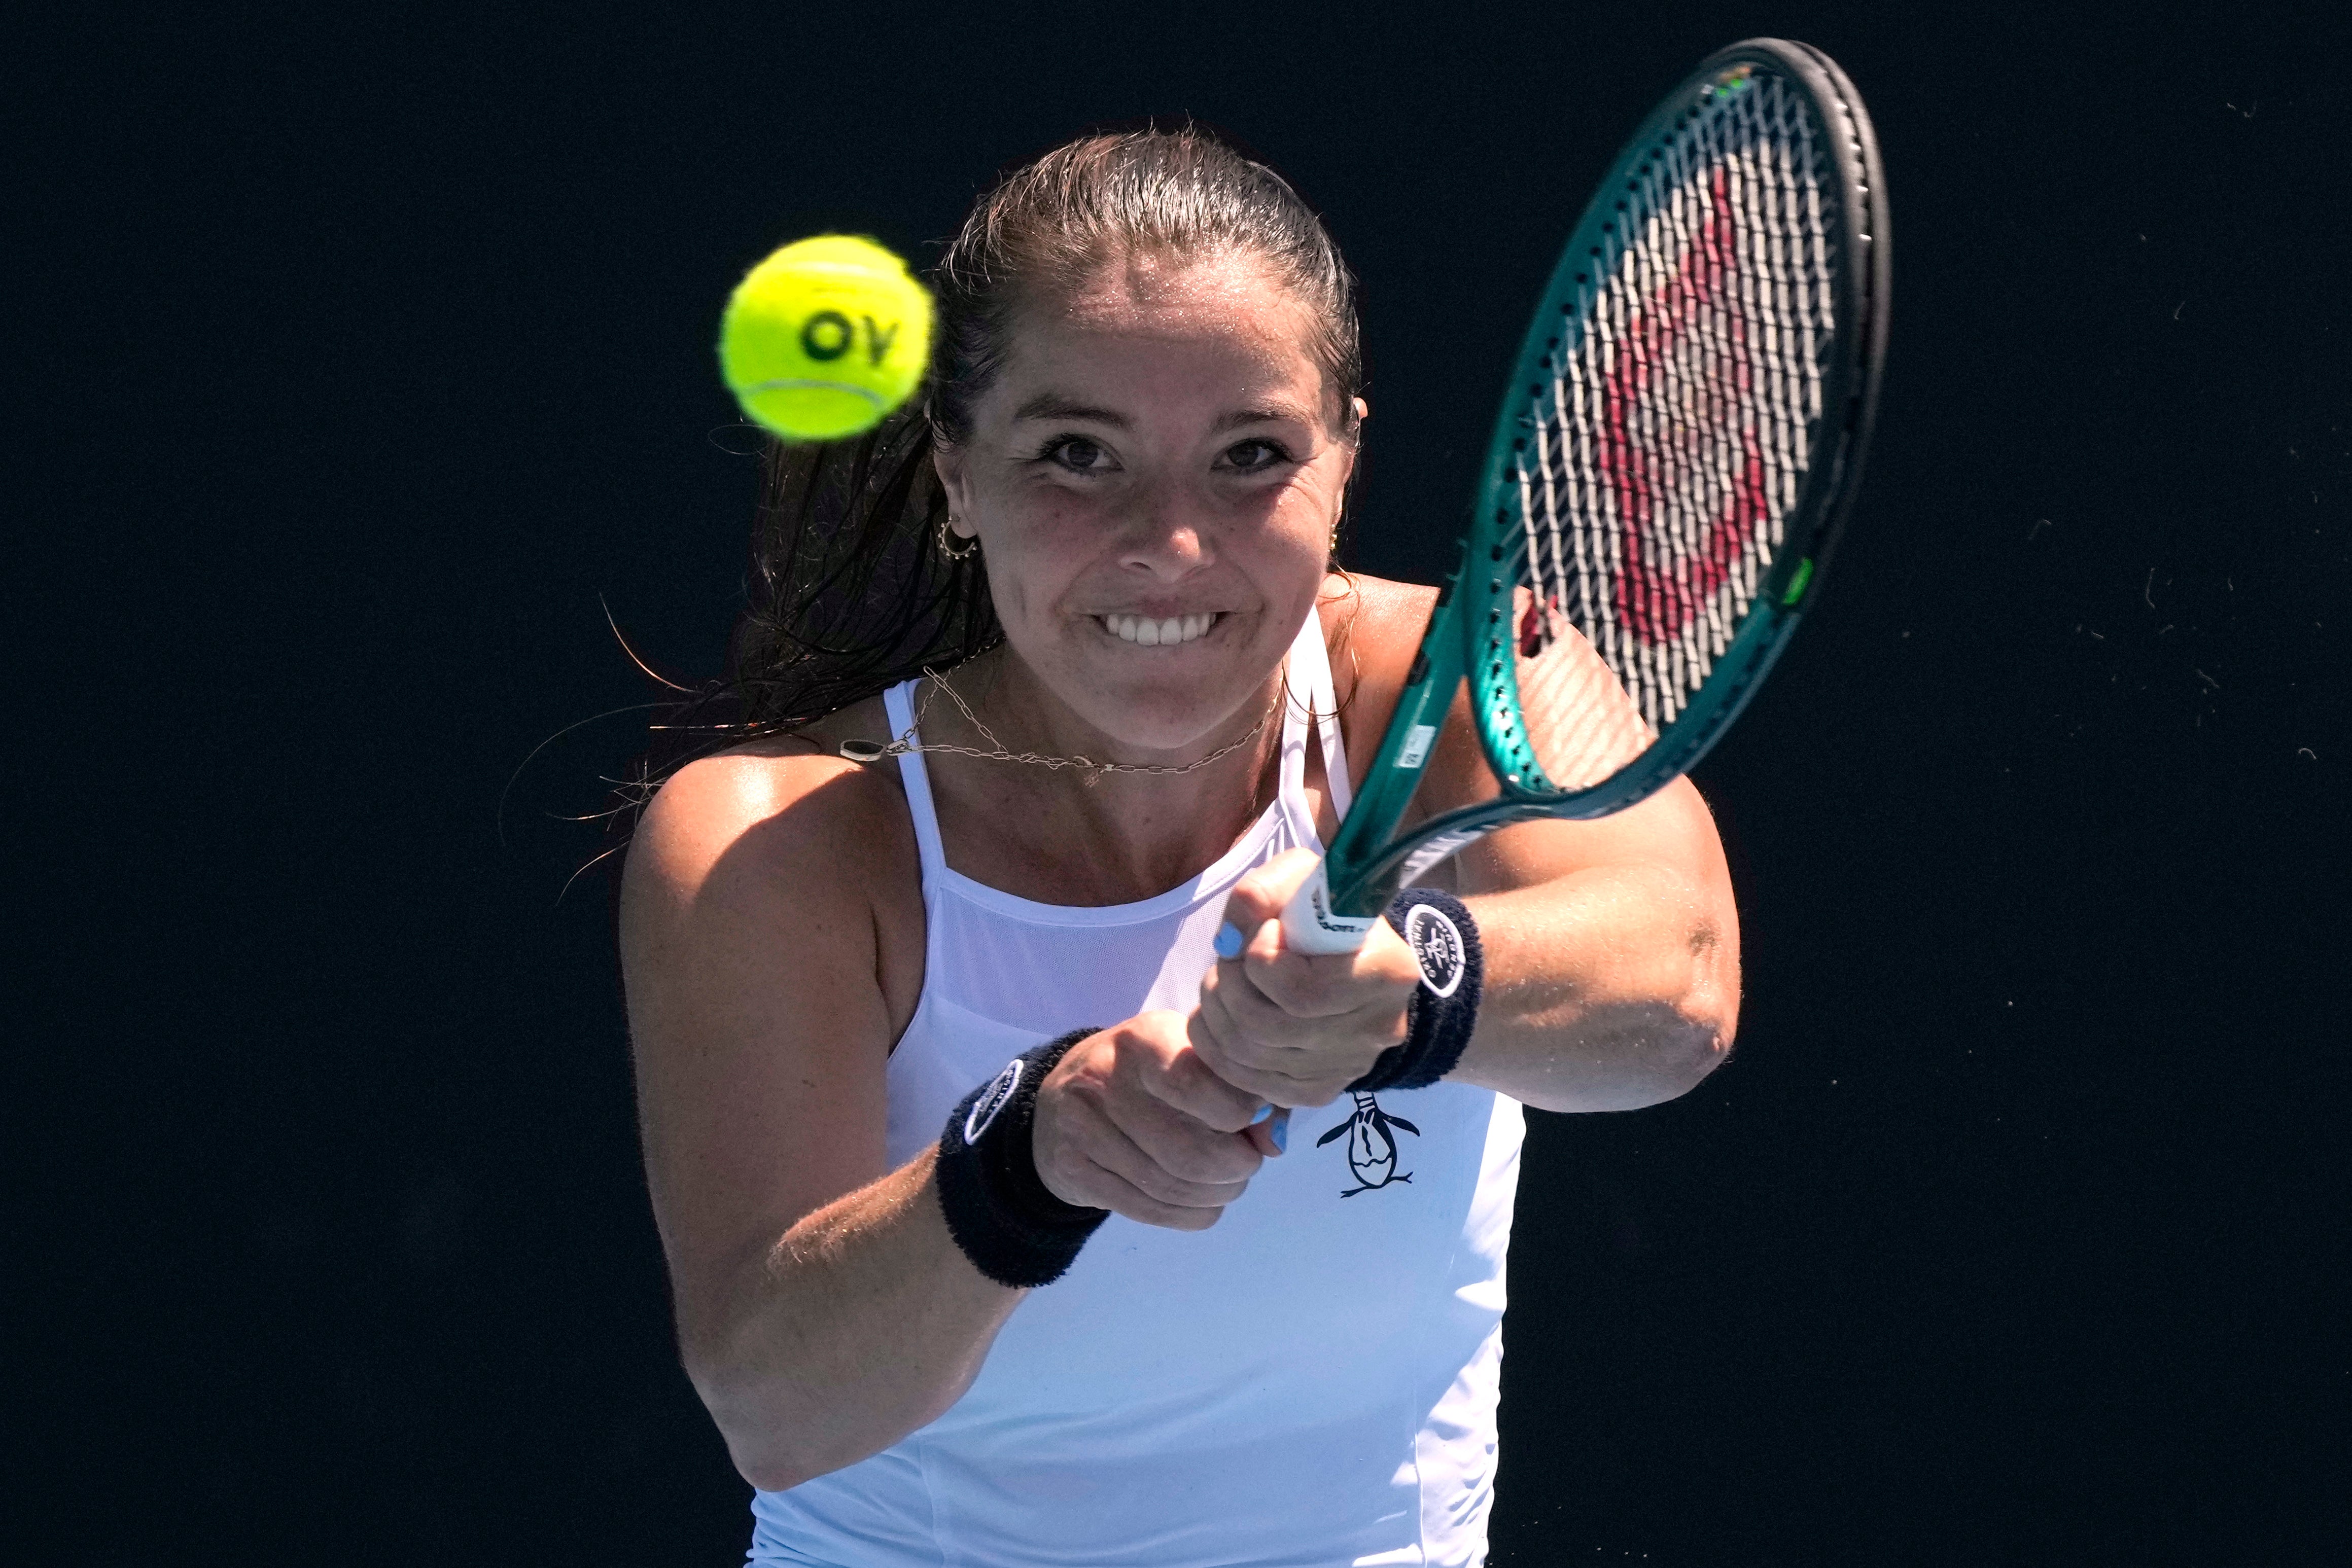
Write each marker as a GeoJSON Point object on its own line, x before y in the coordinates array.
{"type": "Point", "coordinates": [1271, 1135]}
{"type": "Point", "coordinates": [1260, 897]}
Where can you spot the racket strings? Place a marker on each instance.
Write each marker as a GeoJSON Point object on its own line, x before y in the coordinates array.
{"type": "Point", "coordinates": [1667, 445]}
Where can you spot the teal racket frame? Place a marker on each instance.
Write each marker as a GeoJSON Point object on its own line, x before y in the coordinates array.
{"type": "Point", "coordinates": [1471, 630]}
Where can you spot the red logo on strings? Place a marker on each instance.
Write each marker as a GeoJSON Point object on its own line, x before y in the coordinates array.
{"type": "Point", "coordinates": [1662, 590]}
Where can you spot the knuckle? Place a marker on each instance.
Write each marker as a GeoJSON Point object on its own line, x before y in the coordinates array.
{"type": "Point", "coordinates": [1251, 1083]}
{"type": "Point", "coordinates": [1166, 1184]}
{"type": "Point", "coordinates": [1256, 1008]}
{"type": "Point", "coordinates": [1160, 1188]}
{"type": "Point", "coordinates": [1181, 1162]}
{"type": "Point", "coordinates": [1218, 1166]}
{"type": "Point", "coordinates": [1141, 1208]}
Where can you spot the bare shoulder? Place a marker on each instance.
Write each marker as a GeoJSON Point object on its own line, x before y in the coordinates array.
{"type": "Point", "coordinates": [783, 804]}
{"type": "Point", "coordinates": [771, 941]}
{"type": "Point", "coordinates": [777, 850]}
{"type": "Point", "coordinates": [1373, 628]}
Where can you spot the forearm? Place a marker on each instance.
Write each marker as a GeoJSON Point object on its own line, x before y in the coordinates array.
{"type": "Point", "coordinates": [864, 1322]}
{"type": "Point", "coordinates": [1607, 989]}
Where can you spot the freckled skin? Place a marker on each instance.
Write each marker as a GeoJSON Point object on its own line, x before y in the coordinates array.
{"type": "Point", "coordinates": [1155, 516]}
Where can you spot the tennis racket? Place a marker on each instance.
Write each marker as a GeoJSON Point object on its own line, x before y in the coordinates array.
{"type": "Point", "coordinates": [1678, 446]}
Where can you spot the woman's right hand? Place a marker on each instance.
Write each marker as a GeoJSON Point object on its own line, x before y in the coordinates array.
{"type": "Point", "coordinates": [1132, 1120]}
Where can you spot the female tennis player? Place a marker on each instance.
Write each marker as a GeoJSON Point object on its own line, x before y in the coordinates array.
{"type": "Point", "coordinates": [959, 1000]}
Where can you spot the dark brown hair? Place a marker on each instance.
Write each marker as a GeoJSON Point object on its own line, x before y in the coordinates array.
{"type": "Point", "coordinates": [849, 591]}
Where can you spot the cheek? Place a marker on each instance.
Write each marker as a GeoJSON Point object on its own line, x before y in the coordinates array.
{"type": "Point", "coordinates": [1310, 509]}
{"type": "Point", "coordinates": [1299, 533]}
{"type": "Point", "coordinates": [1039, 547]}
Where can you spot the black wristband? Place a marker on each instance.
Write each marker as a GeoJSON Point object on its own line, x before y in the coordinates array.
{"type": "Point", "coordinates": [1445, 1007]}
{"type": "Point", "coordinates": [998, 1208]}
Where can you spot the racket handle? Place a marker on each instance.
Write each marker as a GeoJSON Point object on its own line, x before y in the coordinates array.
{"type": "Point", "coordinates": [1309, 926]}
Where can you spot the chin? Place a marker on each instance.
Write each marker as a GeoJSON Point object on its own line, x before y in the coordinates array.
{"type": "Point", "coordinates": [1171, 698]}
{"type": "Point", "coordinates": [1154, 715]}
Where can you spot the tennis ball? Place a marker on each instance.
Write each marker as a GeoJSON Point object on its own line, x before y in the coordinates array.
{"type": "Point", "coordinates": [824, 337]}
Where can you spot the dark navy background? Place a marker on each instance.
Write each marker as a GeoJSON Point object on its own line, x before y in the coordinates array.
{"type": "Point", "coordinates": [361, 352]}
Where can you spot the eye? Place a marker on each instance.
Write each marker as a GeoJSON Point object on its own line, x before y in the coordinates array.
{"type": "Point", "coordinates": [1255, 456]}
{"type": "Point", "coordinates": [1076, 452]}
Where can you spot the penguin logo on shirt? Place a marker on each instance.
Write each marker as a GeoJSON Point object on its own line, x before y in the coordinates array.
{"type": "Point", "coordinates": [1371, 1144]}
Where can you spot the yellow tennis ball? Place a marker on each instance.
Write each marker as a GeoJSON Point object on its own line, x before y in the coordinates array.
{"type": "Point", "coordinates": [824, 337]}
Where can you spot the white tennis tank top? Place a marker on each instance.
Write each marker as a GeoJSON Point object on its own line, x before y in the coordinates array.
{"type": "Point", "coordinates": [1310, 1383]}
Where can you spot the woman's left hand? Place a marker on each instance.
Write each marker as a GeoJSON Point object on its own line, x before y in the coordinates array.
{"type": "Point", "coordinates": [1293, 1028]}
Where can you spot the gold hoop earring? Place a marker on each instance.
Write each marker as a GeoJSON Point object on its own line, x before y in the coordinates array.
{"type": "Point", "coordinates": [948, 542]}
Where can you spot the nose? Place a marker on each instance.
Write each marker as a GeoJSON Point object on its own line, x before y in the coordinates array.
{"type": "Point", "coordinates": [1166, 536]}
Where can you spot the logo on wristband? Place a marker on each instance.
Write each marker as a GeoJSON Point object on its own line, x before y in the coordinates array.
{"type": "Point", "coordinates": [1436, 944]}
{"type": "Point", "coordinates": [994, 1099]}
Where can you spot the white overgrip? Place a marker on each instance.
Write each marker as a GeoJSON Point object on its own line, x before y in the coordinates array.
{"type": "Point", "coordinates": [1309, 926]}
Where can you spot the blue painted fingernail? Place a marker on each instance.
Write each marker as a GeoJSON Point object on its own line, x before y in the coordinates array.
{"type": "Point", "coordinates": [1263, 1113]}
{"type": "Point", "coordinates": [1229, 941]}
{"type": "Point", "coordinates": [1280, 1133]}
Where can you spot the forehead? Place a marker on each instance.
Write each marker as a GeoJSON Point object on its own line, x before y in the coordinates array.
{"type": "Point", "coordinates": [1151, 310]}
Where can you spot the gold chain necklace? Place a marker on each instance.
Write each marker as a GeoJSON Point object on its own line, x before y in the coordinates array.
{"type": "Point", "coordinates": [875, 751]}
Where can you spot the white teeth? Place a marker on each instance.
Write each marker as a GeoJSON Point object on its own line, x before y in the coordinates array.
{"type": "Point", "coordinates": [1145, 631]}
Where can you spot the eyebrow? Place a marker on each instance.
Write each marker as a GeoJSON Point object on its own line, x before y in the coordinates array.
{"type": "Point", "coordinates": [1273, 413]}
{"type": "Point", "coordinates": [1055, 405]}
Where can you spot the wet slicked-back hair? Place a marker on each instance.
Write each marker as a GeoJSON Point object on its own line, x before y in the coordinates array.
{"type": "Point", "coordinates": [1047, 227]}
{"type": "Point", "coordinates": [849, 590]}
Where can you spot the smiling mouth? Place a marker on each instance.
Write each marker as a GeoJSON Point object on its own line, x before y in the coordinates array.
{"type": "Point", "coordinates": [1146, 632]}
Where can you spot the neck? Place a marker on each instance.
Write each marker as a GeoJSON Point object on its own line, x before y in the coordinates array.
{"type": "Point", "coordinates": [1086, 834]}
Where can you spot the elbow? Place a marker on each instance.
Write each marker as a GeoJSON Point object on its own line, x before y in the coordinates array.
{"type": "Point", "coordinates": [781, 1432]}
{"type": "Point", "coordinates": [777, 1453]}
{"type": "Point", "coordinates": [1692, 1037]}
{"type": "Point", "coordinates": [1650, 1028]}
{"type": "Point", "coordinates": [765, 1473]}
{"type": "Point", "coordinates": [1625, 1056]}
{"type": "Point", "coordinates": [1697, 1032]}
{"type": "Point", "coordinates": [1644, 1053]}
{"type": "Point", "coordinates": [1667, 1051]}
{"type": "Point", "coordinates": [765, 1431]}
{"type": "Point", "coordinates": [1689, 1044]}
{"type": "Point", "coordinates": [766, 1437]}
